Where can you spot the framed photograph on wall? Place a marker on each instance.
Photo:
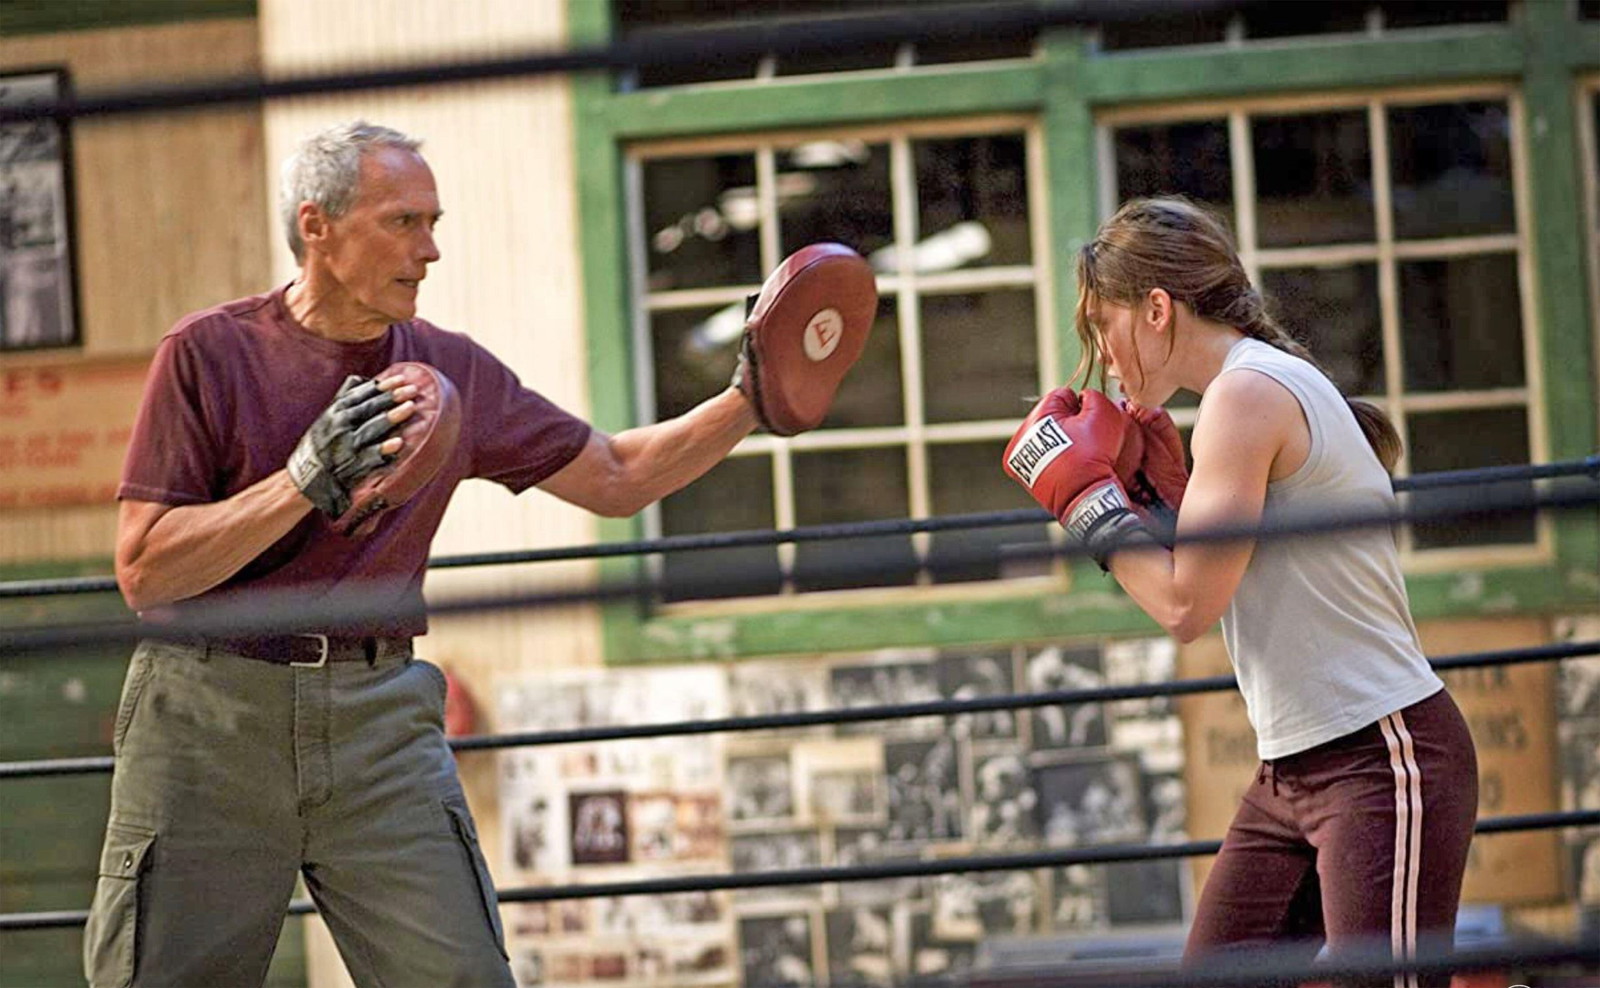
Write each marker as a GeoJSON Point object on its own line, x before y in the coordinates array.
{"type": "Point", "coordinates": [38, 283]}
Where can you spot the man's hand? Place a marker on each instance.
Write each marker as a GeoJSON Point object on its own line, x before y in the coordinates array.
{"type": "Point", "coordinates": [1065, 454]}
{"type": "Point", "coordinates": [1157, 482]}
{"type": "Point", "coordinates": [348, 441]}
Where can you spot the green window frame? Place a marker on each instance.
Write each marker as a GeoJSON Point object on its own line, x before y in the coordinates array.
{"type": "Point", "coordinates": [1538, 58]}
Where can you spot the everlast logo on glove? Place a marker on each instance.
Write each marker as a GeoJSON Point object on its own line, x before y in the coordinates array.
{"type": "Point", "coordinates": [1101, 505]}
{"type": "Point", "coordinates": [1043, 442]}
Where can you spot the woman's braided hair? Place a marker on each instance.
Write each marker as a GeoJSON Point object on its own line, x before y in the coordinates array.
{"type": "Point", "coordinates": [1171, 243]}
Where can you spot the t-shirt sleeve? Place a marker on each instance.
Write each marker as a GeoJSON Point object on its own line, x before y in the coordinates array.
{"type": "Point", "coordinates": [519, 437]}
{"type": "Point", "coordinates": [172, 458]}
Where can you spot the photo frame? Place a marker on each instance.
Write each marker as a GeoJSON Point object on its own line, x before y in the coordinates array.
{"type": "Point", "coordinates": [38, 258]}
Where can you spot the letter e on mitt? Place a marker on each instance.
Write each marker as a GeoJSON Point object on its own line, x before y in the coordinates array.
{"type": "Point", "coordinates": [806, 329]}
{"type": "Point", "coordinates": [430, 436]}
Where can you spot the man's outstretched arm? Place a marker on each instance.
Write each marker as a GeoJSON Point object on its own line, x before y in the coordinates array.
{"type": "Point", "coordinates": [617, 476]}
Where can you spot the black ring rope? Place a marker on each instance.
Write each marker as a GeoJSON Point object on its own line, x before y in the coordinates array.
{"type": "Point", "coordinates": [1051, 858]}
{"type": "Point", "coordinates": [892, 711]}
{"type": "Point", "coordinates": [321, 612]}
{"type": "Point", "coordinates": [1586, 467]}
{"type": "Point", "coordinates": [1281, 965]}
{"type": "Point", "coordinates": [662, 48]}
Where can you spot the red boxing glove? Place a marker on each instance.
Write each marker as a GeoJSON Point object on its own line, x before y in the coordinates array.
{"type": "Point", "coordinates": [1164, 465]}
{"type": "Point", "coordinates": [1157, 482]}
{"type": "Point", "coordinates": [1066, 454]}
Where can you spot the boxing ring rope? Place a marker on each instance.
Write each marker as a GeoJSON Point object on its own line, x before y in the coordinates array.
{"type": "Point", "coordinates": [290, 613]}
{"type": "Point", "coordinates": [1587, 467]}
{"type": "Point", "coordinates": [659, 48]}
{"type": "Point", "coordinates": [853, 715]}
{"type": "Point", "coordinates": [1277, 966]}
{"type": "Point", "coordinates": [724, 881]}
{"type": "Point", "coordinates": [669, 48]}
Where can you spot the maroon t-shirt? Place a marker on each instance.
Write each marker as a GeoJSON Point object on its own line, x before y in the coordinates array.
{"type": "Point", "coordinates": [233, 388]}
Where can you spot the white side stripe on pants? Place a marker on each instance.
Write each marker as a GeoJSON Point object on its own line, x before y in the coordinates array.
{"type": "Point", "coordinates": [1407, 842]}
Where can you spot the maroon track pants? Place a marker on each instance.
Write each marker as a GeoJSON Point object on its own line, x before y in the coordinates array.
{"type": "Point", "coordinates": [1360, 843]}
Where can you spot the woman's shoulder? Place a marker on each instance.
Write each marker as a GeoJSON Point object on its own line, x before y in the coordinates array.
{"type": "Point", "coordinates": [1247, 390]}
{"type": "Point", "coordinates": [1244, 407]}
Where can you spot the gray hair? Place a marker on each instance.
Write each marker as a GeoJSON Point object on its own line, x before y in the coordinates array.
{"type": "Point", "coordinates": [324, 170]}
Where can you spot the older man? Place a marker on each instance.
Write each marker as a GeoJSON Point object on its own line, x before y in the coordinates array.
{"type": "Point", "coordinates": [246, 762]}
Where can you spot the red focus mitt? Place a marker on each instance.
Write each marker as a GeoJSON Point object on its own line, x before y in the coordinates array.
{"type": "Point", "coordinates": [430, 436]}
{"type": "Point", "coordinates": [806, 329]}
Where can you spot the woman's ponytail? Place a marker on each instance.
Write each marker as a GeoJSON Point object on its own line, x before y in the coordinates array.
{"type": "Point", "coordinates": [1380, 432]}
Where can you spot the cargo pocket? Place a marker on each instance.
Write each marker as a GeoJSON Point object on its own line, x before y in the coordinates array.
{"type": "Point", "coordinates": [111, 940]}
{"type": "Point", "coordinates": [467, 833]}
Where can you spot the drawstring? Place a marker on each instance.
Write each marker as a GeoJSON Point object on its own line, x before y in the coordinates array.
{"type": "Point", "coordinates": [1266, 773]}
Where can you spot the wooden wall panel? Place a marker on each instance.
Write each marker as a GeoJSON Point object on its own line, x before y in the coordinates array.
{"type": "Point", "coordinates": [169, 218]}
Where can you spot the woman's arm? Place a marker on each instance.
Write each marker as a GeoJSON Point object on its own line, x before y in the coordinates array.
{"type": "Point", "coordinates": [1245, 423]}
{"type": "Point", "coordinates": [618, 475]}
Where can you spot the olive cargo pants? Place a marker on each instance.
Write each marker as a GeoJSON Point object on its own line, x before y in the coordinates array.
{"type": "Point", "coordinates": [235, 775]}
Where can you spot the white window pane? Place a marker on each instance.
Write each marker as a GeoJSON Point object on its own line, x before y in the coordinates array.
{"type": "Point", "coordinates": [980, 355]}
{"type": "Point", "coordinates": [1191, 159]}
{"type": "Point", "coordinates": [1313, 179]}
{"type": "Point", "coordinates": [972, 199]}
{"type": "Point", "coordinates": [1490, 437]}
{"type": "Point", "coordinates": [834, 190]}
{"type": "Point", "coordinates": [836, 486]}
{"type": "Point", "coordinates": [734, 496]}
{"type": "Point", "coordinates": [1461, 323]}
{"type": "Point", "coordinates": [700, 220]}
{"type": "Point", "coordinates": [1452, 170]}
{"type": "Point", "coordinates": [693, 351]}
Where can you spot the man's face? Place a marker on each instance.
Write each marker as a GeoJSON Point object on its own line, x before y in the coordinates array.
{"type": "Point", "coordinates": [379, 250]}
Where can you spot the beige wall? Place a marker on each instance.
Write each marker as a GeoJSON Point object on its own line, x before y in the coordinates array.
{"type": "Point", "coordinates": [168, 218]}
{"type": "Point", "coordinates": [502, 155]}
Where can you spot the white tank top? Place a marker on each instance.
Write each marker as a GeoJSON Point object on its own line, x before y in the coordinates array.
{"type": "Point", "coordinates": [1320, 629]}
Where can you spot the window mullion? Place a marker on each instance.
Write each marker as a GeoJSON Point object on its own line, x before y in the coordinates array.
{"type": "Point", "coordinates": [1532, 338]}
{"type": "Point", "coordinates": [1389, 294]}
{"type": "Point", "coordinates": [1244, 192]}
{"type": "Point", "coordinates": [782, 463]}
{"type": "Point", "coordinates": [644, 381]}
{"type": "Point", "coordinates": [903, 194]}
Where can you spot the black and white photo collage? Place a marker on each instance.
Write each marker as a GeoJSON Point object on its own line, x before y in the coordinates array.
{"type": "Point", "coordinates": [864, 793]}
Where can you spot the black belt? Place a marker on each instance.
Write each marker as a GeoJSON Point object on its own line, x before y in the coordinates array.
{"type": "Point", "coordinates": [315, 650]}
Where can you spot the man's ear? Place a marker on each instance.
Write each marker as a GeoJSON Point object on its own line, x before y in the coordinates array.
{"type": "Point", "coordinates": [312, 222]}
{"type": "Point", "coordinates": [1159, 310]}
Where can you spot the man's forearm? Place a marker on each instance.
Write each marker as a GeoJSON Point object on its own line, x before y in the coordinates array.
{"type": "Point", "coordinates": [190, 549]}
{"type": "Point", "coordinates": [668, 455]}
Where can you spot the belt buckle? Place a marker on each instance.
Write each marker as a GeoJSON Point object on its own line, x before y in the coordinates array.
{"type": "Point", "coordinates": [322, 659]}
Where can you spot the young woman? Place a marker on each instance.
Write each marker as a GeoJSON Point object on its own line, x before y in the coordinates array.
{"type": "Point", "coordinates": [1357, 827]}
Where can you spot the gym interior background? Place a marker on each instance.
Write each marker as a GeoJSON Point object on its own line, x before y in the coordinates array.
{"type": "Point", "coordinates": [1416, 183]}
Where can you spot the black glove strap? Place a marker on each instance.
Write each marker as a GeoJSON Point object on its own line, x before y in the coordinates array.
{"type": "Point", "coordinates": [343, 445]}
{"type": "Point", "coordinates": [1103, 523]}
{"type": "Point", "coordinates": [747, 378]}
